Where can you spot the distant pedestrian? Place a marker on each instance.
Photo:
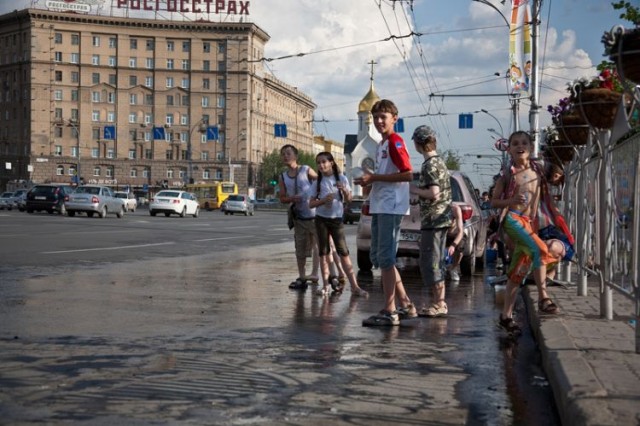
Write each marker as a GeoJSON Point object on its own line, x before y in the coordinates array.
{"type": "Point", "coordinates": [388, 191]}
{"type": "Point", "coordinates": [328, 196]}
{"type": "Point", "coordinates": [434, 190]}
{"type": "Point", "coordinates": [295, 187]}
{"type": "Point", "coordinates": [518, 193]}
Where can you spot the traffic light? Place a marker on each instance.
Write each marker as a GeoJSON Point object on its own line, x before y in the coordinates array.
{"type": "Point", "coordinates": [273, 182]}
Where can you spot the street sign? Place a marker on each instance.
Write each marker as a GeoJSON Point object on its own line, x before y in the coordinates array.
{"type": "Point", "coordinates": [465, 121]}
{"type": "Point", "coordinates": [398, 126]}
{"type": "Point", "coordinates": [158, 133]}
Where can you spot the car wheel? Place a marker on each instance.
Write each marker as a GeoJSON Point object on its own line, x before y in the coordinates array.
{"type": "Point", "coordinates": [197, 213]}
{"type": "Point", "coordinates": [29, 210]}
{"type": "Point", "coordinates": [246, 212]}
{"type": "Point", "coordinates": [468, 264]}
{"type": "Point", "coordinates": [152, 213]}
{"type": "Point", "coordinates": [167, 214]}
{"type": "Point", "coordinates": [103, 212]}
{"type": "Point", "coordinates": [183, 213]}
{"type": "Point", "coordinates": [120, 214]}
{"type": "Point", "coordinates": [71, 213]}
{"type": "Point", "coordinates": [364, 261]}
{"type": "Point", "coordinates": [207, 207]}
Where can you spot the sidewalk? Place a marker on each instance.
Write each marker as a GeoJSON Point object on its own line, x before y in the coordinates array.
{"type": "Point", "coordinates": [590, 362]}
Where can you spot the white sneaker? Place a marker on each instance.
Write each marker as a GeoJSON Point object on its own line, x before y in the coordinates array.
{"type": "Point", "coordinates": [454, 276]}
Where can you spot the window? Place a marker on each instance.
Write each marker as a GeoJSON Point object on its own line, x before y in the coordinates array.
{"type": "Point", "coordinates": [149, 63]}
{"type": "Point", "coordinates": [206, 174]}
{"type": "Point", "coordinates": [96, 171]}
{"type": "Point", "coordinates": [219, 156]}
{"type": "Point", "coordinates": [95, 152]}
{"type": "Point", "coordinates": [75, 58]}
{"type": "Point", "coordinates": [204, 155]}
{"type": "Point", "coordinates": [113, 42]}
{"type": "Point", "coordinates": [186, 45]}
{"type": "Point", "coordinates": [75, 39]}
{"type": "Point", "coordinates": [95, 78]}
{"type": "Point", "coordinates": [206, 83]}
{"type": "Point", "coordinates": [113, 79]}
{"type": "Point", "coordinates": [221, 47]}
{"type": "Point", "coordinates": [111, 117]}
{"type": "Point", "coordinates": [170, 100]}
{"type": "Point", "coordinates": [168, 155]}
{"type": "Point", "coordinates": [184, 136]}
{"type": "Point", "coordinates": [57, 56]}
{"type": "Point", "coordinates": [222, 84]}
{"type": "Point", "coordinates": [57, 95]}
{"type": "Point", "coordinates": [95, 115]}
{"type": "Point", "coordinates": [111, 97]}
{"type": "Point", "coordinates": [148, 81]}
{"type": "Point", "coordinates": [58, 150]}
{"type": "Point", "coordinates": [74, 151]}
{"type": "Point", "coordinates": [60, 170]}
{"type": "Point", "coordinates": [57, 131]}
{"type": "Point", "coordinates": [169, 172]}
{"type": "Point", "coordinates": [184, 120]}
{"type": "Point", "coordinates": [169, 64]}
{"type": "Point", "coordinates": [109, 169]}
{"type": "Point", "coordinates": [57, 38]}
{"type": "Point", "coordinates": [147, 136]}
{"type": "Point", "coordinates": [95, 96]}
{"type": "Point", "coordinates": [169, 119]}
{"type": "Point", "coordinates": [133, 80]}
{"type": "Point", "coordinates": [185, 64]}
{"type": "Point", "coordinates": [206, 65]}
{"type": "Point", "coordinates": [220, 102]}
{"type": "Point", "coordinates": [95, 59]}
{"type": "Point", "coordinates": [222, 66]}
{"type": "Point", "coordinates": [206, 47]}
{"type": "Point", "coordinates": [95, 133]}
{"type": "Point", "coordinates": [205, 101]}
{"type": "Point", "coordinates": [75, 76]}
{"type": "Point", "coordinates": [110, 154]}
{"type": "Point", "coordinates": [95, 40]}
{"type": "Point", "coordinates": [218, 174]}
{"type": "Point", "coordinates": [150, 45]}
{"type": "Point", "coordinates": [133, 99]}
{"type": "Point", "coordinates": [133, 43]}
{"type": "Point", "coordinates": [113, 61]}
{"type": "Point", "coordinates": [170, 46]}
{"type": "Point", "coordinates": [134, 172]}
{"type": "Point", "coordinates": [133, 135]}
{"type": "Point", "coordinates": [133, 62]}
{"type": "Point", "coordinates": [132, 154]}
{"type": "Point", "coordinates": [148, 99]}
{"type": "Point", "coordinates": [148, 154]}
{"type": "Point", "coordinates": [147, 120]}
{"type": "Point", "coordinates": [169, 81]}
{"type": "Point", "coordinates": [132, 117]}
{"type": "Point", "coordinates": [72, 171]}
{"type": "Point", "coordinates": [74, 114]}
{"type": "Point", "coordinates": [185, 100]}
{"type": "Point", "coordinates": [58, 76]}
{"type": "Point", "coordinates": [185, 83]}
{"type": "Point", "coordinates": [58, 113]}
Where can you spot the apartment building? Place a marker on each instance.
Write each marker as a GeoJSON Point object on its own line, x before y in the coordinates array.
{"type": "Point", "coordinates": [139, 103]}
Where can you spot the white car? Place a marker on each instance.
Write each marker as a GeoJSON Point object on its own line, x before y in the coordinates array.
{"type": "Point", "coordinates": [171, 201]}
{"type": "Point", "coordinates": [94, 199]}
{"type": "Point", "coordinates": [130, 202]}
{"type": "Point", "coordinates": [6, 201]}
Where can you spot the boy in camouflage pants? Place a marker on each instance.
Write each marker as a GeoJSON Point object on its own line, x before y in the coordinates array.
{"type": "Point", "coordinates": [434, 190]}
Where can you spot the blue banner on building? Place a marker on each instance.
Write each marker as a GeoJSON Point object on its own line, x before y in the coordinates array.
{"type": "Point", "coordinates": [109, 132]}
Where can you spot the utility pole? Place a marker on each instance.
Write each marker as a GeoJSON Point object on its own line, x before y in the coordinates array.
{"type": "Point", "coordinates": [534, 111]}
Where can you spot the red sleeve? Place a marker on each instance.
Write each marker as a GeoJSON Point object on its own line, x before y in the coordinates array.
{"type": "Point", "coordinates": [399, 154]}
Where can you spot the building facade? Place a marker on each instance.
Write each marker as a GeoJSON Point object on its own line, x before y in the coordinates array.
{"type": "Point", "coordinates": [139, 103]}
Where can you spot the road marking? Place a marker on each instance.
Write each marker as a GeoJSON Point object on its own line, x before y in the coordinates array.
{"type": "Point", "coordinates": [106, 248]}
{"type": "Point", "coordinates": [225, 238]}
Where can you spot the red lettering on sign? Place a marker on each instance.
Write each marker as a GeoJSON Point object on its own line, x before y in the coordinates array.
{"type": "Point", "coordinates": [134, 4]}
{"type": "Point", "coordinates": [146, 6]}
{"type": "Point", "coordinates": [219, 6]}
{"type": "Point", "coordinates": [244, 7]}
{"type": "Point", "coordinates": [184, 9]}
{"type": "Point", "coordinates": [196, 9]}
{"type": "Point", "coordinates": [122, 3]}
{"type": "Point", "coordinates": [231, 7]}
{"type": "Point", "coordinates": [172, 6]}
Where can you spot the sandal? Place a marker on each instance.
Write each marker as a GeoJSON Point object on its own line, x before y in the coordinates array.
{"type": "Point", "coordinates": [546, 306]}
{"type": "Point", "coordinates": [313, 278]}
{"type": "Point", "coordinates": [299, 284]}
{"type": "Point", "coordinates": [509, 325]}
{"type": "Point", "coordinates": [359, 292]}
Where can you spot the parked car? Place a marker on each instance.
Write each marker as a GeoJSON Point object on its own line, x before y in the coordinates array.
{"type": "Point", "coordinates": [6, 201]}
{"type": "Point", "coordinates": [476, 223]}
{"type": "Point", "coordinates": [92, 199]}
{"type": "Point", "coordinates": [174, 202]}
{"type": "Point", "coordinates": [130, 202]}
{"type": "Point", "coordinates": [20, 199]}
{"type": "Point", "coordinates": [239, 203]}
{"type": "Point", "coordinates": [48, 197]}
{"type": "Point", "coordinates": [352, 211]}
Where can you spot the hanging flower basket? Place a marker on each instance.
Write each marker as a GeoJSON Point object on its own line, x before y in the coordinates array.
{"type": "Point", "coordinates": [559, 151]}
{"type": "Point", "coordinates": [573, 129]}
{"type": "Point", "coordinates": [624, 50]}
{"type": "Point", "coordinates": [599, 106]}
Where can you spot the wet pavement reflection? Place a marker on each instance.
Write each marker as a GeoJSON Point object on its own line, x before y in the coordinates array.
{"type": "Point", "coordinates": [220, 339]}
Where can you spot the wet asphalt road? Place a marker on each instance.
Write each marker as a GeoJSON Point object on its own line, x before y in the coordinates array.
{"type": "Point", "coordinates": [190, 321]}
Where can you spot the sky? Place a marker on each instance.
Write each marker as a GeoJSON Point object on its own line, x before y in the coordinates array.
{"type": "Point", "coordinates": [458, 57]}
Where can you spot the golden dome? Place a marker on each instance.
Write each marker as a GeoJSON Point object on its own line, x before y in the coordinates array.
{"type": "Point", "coordinates": [369, 99]}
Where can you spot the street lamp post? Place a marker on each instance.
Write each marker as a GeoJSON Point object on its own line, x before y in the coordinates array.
{"type": "Point", "coordinates": [201, 125]}
{"type": "Point", "coordinates": [73, 124]}
{"type": "Point", "coordinates": [504, 154]}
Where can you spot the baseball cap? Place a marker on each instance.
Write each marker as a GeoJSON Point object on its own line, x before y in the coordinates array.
{"type": "Point", "coordinates": [422, 133]}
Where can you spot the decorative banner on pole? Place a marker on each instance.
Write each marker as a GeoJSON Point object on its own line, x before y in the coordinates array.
{"type": "Point", "coordinates": [465, 121]}
{"type": "Point", "coordinates": [280, 130]}
{"type": "Point", "coordinates": [158, 133]}
{"type": "Point", "coordinates": [398, 126]}
{"type": "Point", "coordinates": [109, 132]}
{"type": "Point", "coordinates": [520, 46]}
{"type": "Point", "coordinates": [212, 133]}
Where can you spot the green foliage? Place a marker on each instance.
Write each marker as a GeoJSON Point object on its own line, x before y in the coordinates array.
{"type": "Point", "coordinates": [452, 159]}
{"type": "Point", "coordinates": [272, 166]}
{"type": "Point", "coordinates": [631, 13]}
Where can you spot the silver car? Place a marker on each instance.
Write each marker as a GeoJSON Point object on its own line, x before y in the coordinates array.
{"type": "Point", "coordinates": [240, 203]}
{"type": "Point", "coordinates": [6, 200]}
{"type": "Point", "coordinates": [91, 199]}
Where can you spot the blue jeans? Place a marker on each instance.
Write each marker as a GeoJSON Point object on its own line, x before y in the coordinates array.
{"type": "Point", "coordinates": [385, 234]}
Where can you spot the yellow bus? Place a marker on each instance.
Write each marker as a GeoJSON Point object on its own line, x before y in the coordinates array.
{"type": "Point", "coordinates": [211, 195]}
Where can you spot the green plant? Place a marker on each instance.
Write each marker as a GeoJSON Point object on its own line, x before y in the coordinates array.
{"type": "Point", "coordinates": [631, 13]}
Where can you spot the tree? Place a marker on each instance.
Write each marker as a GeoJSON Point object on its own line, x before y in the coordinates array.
{"type": "Point", "coordinates": [452, 159]}
{"type": "Point", "coordinates": [272, 166]}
